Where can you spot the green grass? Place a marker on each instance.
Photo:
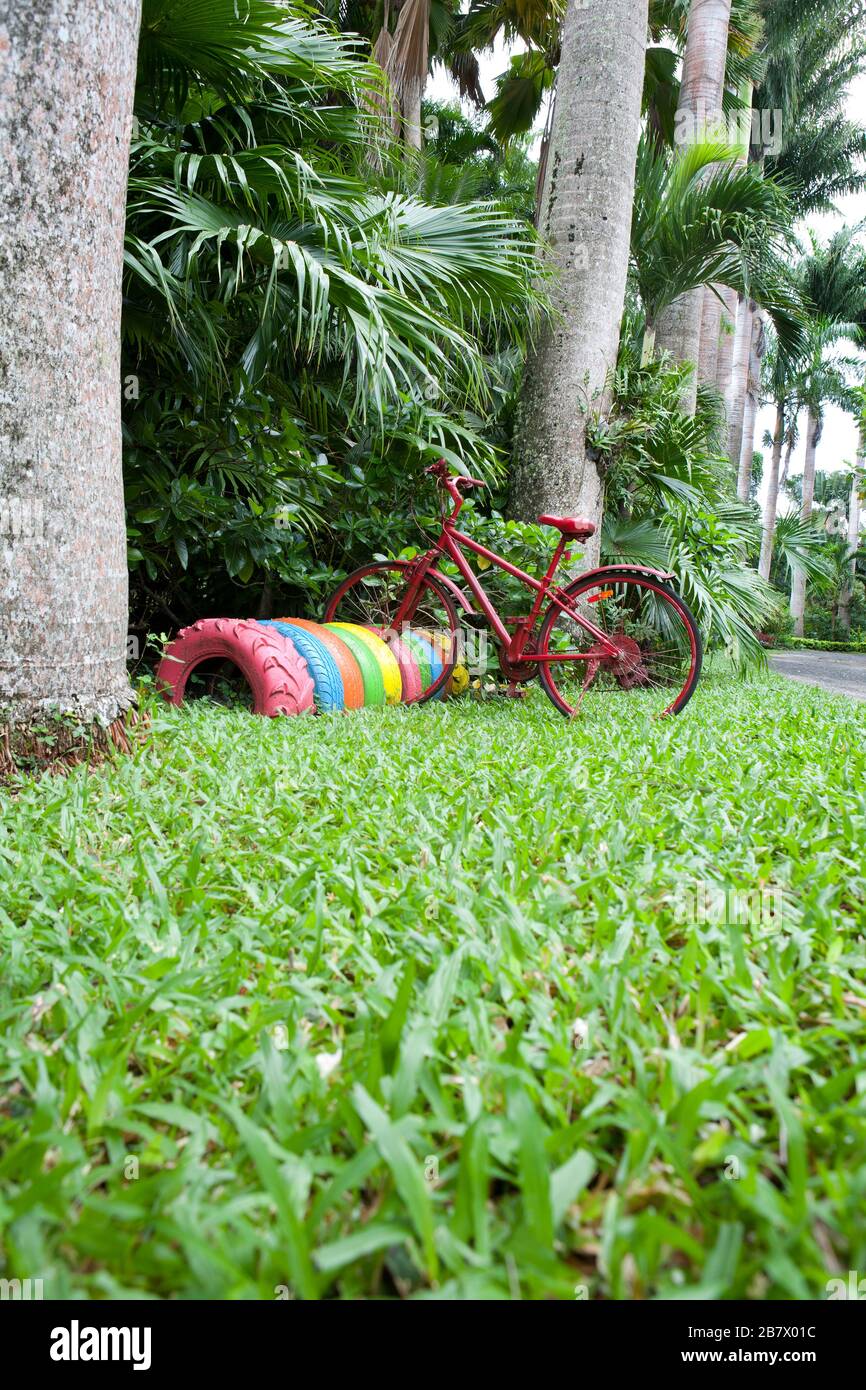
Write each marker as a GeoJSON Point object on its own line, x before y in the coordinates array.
{"type": "Point", "coordinates": [408, 1003]}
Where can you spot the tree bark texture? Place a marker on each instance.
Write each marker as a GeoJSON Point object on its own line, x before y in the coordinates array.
{"type": "Point", "coordinates": [702, 87]}
{"type": "Point", "coordinates": [67, 72]}
{"type": "Point", "coordinates": [678, 333]}
{"type": "Point", "coordinates": [585, 217]}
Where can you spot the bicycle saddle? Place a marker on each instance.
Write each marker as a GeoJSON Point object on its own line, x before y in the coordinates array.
{"type": "Point", "coordinates": [574, 526]}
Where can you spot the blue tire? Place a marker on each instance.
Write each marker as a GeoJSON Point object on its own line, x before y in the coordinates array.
{"type": "Point", "coordinates": [323, 668]}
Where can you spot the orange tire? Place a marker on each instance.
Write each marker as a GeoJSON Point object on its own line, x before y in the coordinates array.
{"type": "Point", "coordinates": [350, 671]}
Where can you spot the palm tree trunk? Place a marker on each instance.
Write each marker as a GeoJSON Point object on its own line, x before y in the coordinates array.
{"type": "Point", "coordinates": [843, 612]}
{"type": "Point", "coordinates": [700, 102]}
{"type": "Point", "coordinates": [739, 383]}
{"type": "Point", "coordinates": [678, 333]}
{"type": "Point", "coordinates": [789, 453]}
{"type": "Point", "coordinates": [798, 584]}
{"type": "Point", "coordinates": [750, 413]}
{"type": "Point", "coordinates": [65, 121]}
{"type": "Point", "coordinates": [412, 114]}
{"type": "Point", "coordinates": [586, 219]}
{"type": "Point", "coordinates": [727, 332]}
{"type": "Point", "coordinates": [407, 66]}
{"type": "Point", "coordinates": [708, 353]}
{"type": "Point", "coordinates": [771, 501]}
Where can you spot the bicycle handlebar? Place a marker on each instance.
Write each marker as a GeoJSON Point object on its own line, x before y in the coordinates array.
{"type": "Point", "coordinates": [452, 481]}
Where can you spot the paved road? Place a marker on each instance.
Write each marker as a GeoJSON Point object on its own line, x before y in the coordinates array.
{"type": "Point", "coordinates": [844, 673]}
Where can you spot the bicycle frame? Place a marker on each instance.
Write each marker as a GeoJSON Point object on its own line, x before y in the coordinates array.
{"type": "Point", "coordinates": [452, 542]}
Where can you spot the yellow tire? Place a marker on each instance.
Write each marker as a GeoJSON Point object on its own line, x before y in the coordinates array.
{"type": "Point", "coordinates": [388, 665]}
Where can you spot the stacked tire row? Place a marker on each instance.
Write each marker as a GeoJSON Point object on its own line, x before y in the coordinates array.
{"type": "Point", "coordinates": [293, 666]}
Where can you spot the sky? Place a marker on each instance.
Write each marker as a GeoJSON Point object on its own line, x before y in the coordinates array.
{"type": "Point", "coordinates": [838, 445]}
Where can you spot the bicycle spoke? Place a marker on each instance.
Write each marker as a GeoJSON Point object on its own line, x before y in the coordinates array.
{"type": "Point", "coordinates": [374, 598]}
{"type": "Point", "coordinates": [654, 651]}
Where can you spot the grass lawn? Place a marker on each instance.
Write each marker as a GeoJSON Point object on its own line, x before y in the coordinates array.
{"type": "Point", "coordinates": [417, 1002]}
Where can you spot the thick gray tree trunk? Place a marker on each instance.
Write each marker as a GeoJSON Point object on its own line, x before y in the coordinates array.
{"type": "Point", "coordinates": [750, 413]}
{"type": "Point", "coordinates": [843, 611]}
{"type": "Point", "coordinates": [702, 87]}
{"type": "Point", "coordinates": [67, 71]}
{"type": "Point", "coordinates": [798, 583]}
{"type": "Point", "coordinates": [585, 216]}
{"type": "Point", "coordinates": [771, 501]}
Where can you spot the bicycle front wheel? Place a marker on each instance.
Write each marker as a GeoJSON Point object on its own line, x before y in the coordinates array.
{"type": "Point", "coordinates": [658, 650]}
{"type": "Point", "coordinates": [374, 596]}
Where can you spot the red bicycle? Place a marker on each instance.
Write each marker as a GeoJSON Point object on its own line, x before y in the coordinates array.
{"type": "Point", "coordinates": [615, 631]}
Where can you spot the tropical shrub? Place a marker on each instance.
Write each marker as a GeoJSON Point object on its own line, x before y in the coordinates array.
{"type": "Point", "coordinates": [666, 499]}
{"type": "Point", "coordinates": [299, 329]}
{"type": "Point", "coordinates": [810, 644]}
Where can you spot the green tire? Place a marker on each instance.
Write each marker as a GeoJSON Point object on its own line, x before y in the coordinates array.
{"type": "Point", "coordinates": [371, 671]}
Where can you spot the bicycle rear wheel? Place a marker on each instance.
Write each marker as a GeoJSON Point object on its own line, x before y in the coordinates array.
{"type": "Point", "coordinates": [374, 597]}
{"type": "Point", "coordinates": [658, 647]}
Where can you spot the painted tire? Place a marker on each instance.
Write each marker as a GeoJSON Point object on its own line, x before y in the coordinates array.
{"type": "Point", "coordinates": [410, 674]}
{"type": "Point", "coordinates": [371, 671]}
{"type": "Point", "coordinates": [350, 671]}
{"type": "Point", "coordinates": [421, 657]}
{"type": "Point", "coordinates": [274, 670]}
{"type": "Point", "coordinates": [436, 646]}
{"type": "Point", "coordinates": [327, 681]}
{"type": "Point", "coordinates": [431, 658]}
{"type": "Point", "coordinates": [391, 680]}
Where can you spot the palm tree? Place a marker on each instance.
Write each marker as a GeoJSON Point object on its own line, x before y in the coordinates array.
{"type": "Point", "coordinates": [757, 350]}
{"type": "Point", "coordinates": [404, 57]}
{"type": "Point", "coordinates": [780, 388]}
{"type": "Point", "coordinates": [832, 279]}
{"type": "Point", "coordinates": [666, 501]}
{"type": "Point", "coordinates": [821, 378]}
{"type": "Point", "coordinates": [282, 301]}
{"type": "Point", "coordinates": [846, 592]}
{"type": "Point", "coordinates": [428, 31]}
{"type": "Point", "coordinates": [585, 217]}
{"type": "Point", "coordinates": [815, 49]}
{"type": "Point", "coordinates": [701, 218]}
{"type": "Point", "coordinates": [812, 52]}
{"type": "Point", "coordinates": [702, 86]}
{"type": "Point", "coordinates": [65, 122]}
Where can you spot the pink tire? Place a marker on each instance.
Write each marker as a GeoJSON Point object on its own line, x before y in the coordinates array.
{"type": "Point", "coordinates": [274, 671]}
